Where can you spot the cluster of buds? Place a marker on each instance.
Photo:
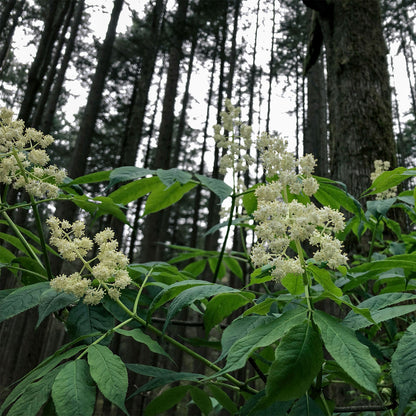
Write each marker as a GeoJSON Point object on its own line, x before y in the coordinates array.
{"type": "Point", "coordinates": [236, 141]}
{"type": "Point", "coordinates": [24, 161]}
{"type": "Point", "coordinates": [281, 222]}
{"type": "Point", "coordinates": [381, 166]}
{"type": "Point", "coordinates": [105, 273]}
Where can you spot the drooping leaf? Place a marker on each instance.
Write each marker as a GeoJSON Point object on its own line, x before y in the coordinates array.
{"type": "Point", "coordinates": [403, 367]}
{"type": "Point", "coordinates": [86, 319]}
{"type": "Point", "coordinates": [293, 283]}
{"type": "Point", "coordinates": [166, 400]}
{"type": "Point", "coordinates": [380, 207]}
{"type": "Point", "coordinates": [35, 396]}
{"type": "Point", "coordinates": [234, 266]}
{"type": "Point", "coordinates": [222, 305]}
{"type": "Point", "coordinates": [109, 373]}
{"type": "Point", "coordinates": [134, 190]}
{"type": "Point", "coordinates": [21, 300]}
{"type": "Point", "coordinates": [201, 399]}
{"type": "Point", "coordinates": [52, 301]}
{"type": "Point", "coordinates": [223, 399]}
{"type": "Point", "coordinates": [323, 277]}
{"type": "Point", "coordinates": [6, 256]}
{"type": "Point", "coordinates": [389, 179]}
{"type": "Point", "coordinates": [218, 187]}
{"type": "Point", "coordinates": [306, 406]}
{"type": "Point", "coordinates": [189, 296]}
{"type": "Point", "coordinates": [30, 270]}
{"type": "Point", "coordinates": [255, 406]}
{"type": "Point", "coordinates": [14, 241]}
{"type": "Point", "coordinates": [139, 336]}
{"type": "Point", "coordinates": [352, 356]}
{"type": "Point", "coordinates": [261, 336]}
{"type": "Point", "coordinates": [161, 198]}
{"type": "Point", "coordinates": [262, 307]}
{"type": "Point", "coordinates": [95, 177]}
{"type": "Point", "coordinates": [298, 360]}
{"type": "Point", "coordinates": [73, 391]}
{"type": "Point", "coordinates": [250, 200]}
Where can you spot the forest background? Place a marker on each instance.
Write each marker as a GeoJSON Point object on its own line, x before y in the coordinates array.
{"type": "Point", "coordinates": [147, 85]}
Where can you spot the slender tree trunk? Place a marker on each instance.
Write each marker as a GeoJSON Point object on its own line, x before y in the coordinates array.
{"type": "Point", "coordinates": [39, 65]}
{"type": "Point", "coordinates": [47, 85]}
{"type": "Point", "coordinates": [154, 223]}
{"type": "Point", "coordinates": [50, 110]}
{"type": "Point", "coordinates": [8, 6]}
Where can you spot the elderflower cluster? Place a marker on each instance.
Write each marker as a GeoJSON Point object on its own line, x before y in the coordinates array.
{"type": "Point", "coordinates": [236, 141]}
{"type": "Point", "coordinates": [108, 268]}
{"type": "Point", "coordinates": [23, 158]}
{"type": "Point", "coordinates": [280, 222]}
{"type": "Point", "coordinates": [381, 166]}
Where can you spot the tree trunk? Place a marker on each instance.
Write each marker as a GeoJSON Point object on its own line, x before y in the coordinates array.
{"type": "Point", "coordinates": [154, 228]}
{"type": "Point", "coordinates": [50, 110]}
{"type": "Point", "coordinates": [358, 90]}
{"type": "Point", "coordinates": [8, 6]}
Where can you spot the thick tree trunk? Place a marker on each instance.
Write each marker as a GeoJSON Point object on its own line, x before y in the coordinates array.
{"type": "Point", "coordinates": [358, 90]}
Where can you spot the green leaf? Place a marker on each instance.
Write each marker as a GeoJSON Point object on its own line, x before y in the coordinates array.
{"type": "Point", "coordinates": [222, 305]}
{"type": "Point", "coordinates": [250, 200]}
{"type": "Point", "coordinates": [166, 400]}
{"type": "Point", "coordinates": [73, 391]}
{"type": "Point", "coordinates": [109, 373]}
{"type": "Point", "coordinates": [170, 176]}
{"type": "Point", "coordinates": [139, 336]}
{"type": "Point", "coordinates": [254, 407]}
{"type": "Point", "coordinates": [22, 299]}
{"type": "Point", "coordinates": [223, 399]}
{"type": "Point", "coordinates": [261, 336]}
{"type": "Point", "coordinates": [95, 177]}
{"type": "Point", "coordinates": [352, 356]}
{"type": "Point", "coordinates": [293, 283]}
{"type": "Point", "coordinates": [380, 207]}
{"type": "Point", "coordinates": [403, 367]}
{"type": "Point", "coordinates": [389, 179]}
{"type": "Point", "coordinates": [161, 198]}
{"type": "Point", "coordinates": [298, 360]}
{"type": "Point", "coordinates": [201, 399]}
{"type": "Point", "coordinates": [234, 266]}
{"type": "Point", "coordinates": [379, 311]}
{"type": "Point", "coordinates": [306, 406]}
{"type": "Point", "coordinates": [323, 277]}
{"type": "Point", "coordinates": [6, 256]}
{"type": "Point", "coordinates": [128, 173]}
{"type": "Point", "coordinates": [44, 368]}
{"type": "Point", "coordinates": [261, 275]}
{"type": "Point", "coordinates": [52, 301]}
{"type": "Point", "coordinates": [161, 376]}
{"type": "Point", "coordinates": [35, 396]}
{"type": "Point", "coordinates": [212, 262]}
{"type": "Point", "coordinates": [84, 320]}
{"type": "Point", "coordinates": [134, 190]}
{"type": "Point", "coordinates": [217, 186]}
{"type": "Point", "coordinates": [14, 241]}
{"type": "Point", "coordinates": [197, 267]}
{"type": "Point", "coordinates": [30, 270]}
{"type": "Point", "coordinates": [261, 307]}
{"type": "Point", "coordinates": [189, 296]}
{"type": "Point", "coordinates": [107, 206]}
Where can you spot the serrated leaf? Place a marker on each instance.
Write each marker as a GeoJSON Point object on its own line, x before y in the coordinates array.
{"type": "Point", "coordinates": [73, 391]}
{"type": "Point", "coordinates": [298, 360]}
{"type": "Point", "coordinates": [261, 336]}
{"type": "Point", "coordinates": [403, 367]}
{"type": "Point", "coordinates": [35, 396]}
{"type": "Point", "coordinates": [379, 311]}
{"type": "Point", "coordinates": [222, 305]}
{"type": "Point", "coordinates": [21, 300]}
{"type": "Point", "coordinates": [161, 198]}
{"type": "Point", "coordinates": [134, 190]}
{"type": "Point", "coordinates": [166, 400]}
{"type": "Point", "coordinates": [352, 356]}
{"type": "Point", "coordinates": [170, 176]}
{"type": "Point", "coordinates": [52, 301]}
{"type": "Point", "coordinates": [293, 283]}
{"type": "Point", "coordinates": [128, 173]}
{"type": "Point", "coordinates": [217, 186]}
{"type": "Point", "coordinates": [139, 336]}
{"type": "Point", "coordinates": [189, 296]}
{"type": "Point", "coordinates": [323, 277]}
{"type": "Point", "coordinates": [85, 319]}
{"type": "Point", "coordinates": [109, 373]}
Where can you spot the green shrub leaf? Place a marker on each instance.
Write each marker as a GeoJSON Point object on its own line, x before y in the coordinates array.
{"type": "Point", "coordinates": [170, 176]}
{"type": "Point", "coordinates": [217, 186]}
{"type": "Point", "coordinates": [109, 373]}
{"type": "Point", "coordinates": [134, 190]}
{"type": "Point", "coordinates": [166, 400]}
{"type": "Point", "coordinates": [201, 399]}
{"type": "Point", "coordinates": [73, 391]}
{"type": "Point", "coordinates": [298, 360]}
{"type": "Point", "coordinates": [403, 367]}
{"type": "Point", "coordinates": [352, 356]}
{"type": "Point", "coordinates": [127, 173]}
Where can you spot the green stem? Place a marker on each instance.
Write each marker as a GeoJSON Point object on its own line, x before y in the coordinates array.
{"type": "Point", "coordinates": [373, 240]}
{"type": "Point", "coordinates": [185, 349]}
{"type": "Point", "coordinates": [221, 256]}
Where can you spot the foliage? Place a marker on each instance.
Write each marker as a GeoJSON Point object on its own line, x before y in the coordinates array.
{"type": "Point", "coordinates": [287, 348]}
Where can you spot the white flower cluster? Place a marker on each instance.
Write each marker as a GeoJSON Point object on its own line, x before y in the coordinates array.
{"type": "Point", "coordinates": [280, 222]}
{"type": "Point", "coordinates": [23, 158]}
{"type": "Point", "coordinates": [236, 144]}
{"type": "Point", "coordinates": [108, 268]}
{"type": "Point", "coordinates": [381, 166]}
